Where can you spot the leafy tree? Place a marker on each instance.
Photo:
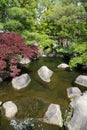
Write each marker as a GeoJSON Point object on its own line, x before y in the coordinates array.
{"type": "Point", "coordinates": [19, 12]}
{"type": "Point", "coordinates": [42, 40]}
{"type": "Point", "coordinates": [68, 2]}
{"type": "Point", "coordinates": [63, 21]}
{"type": "Point", "coordinates": [68, 20]}
{"type": "Point", "coordinates": [12, 47]}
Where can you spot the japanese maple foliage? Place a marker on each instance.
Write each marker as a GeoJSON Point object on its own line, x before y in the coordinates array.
{"type": "Point", "coordinates": [12, 46]}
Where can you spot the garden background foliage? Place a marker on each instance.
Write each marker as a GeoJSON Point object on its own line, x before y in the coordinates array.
{"type": "Point", "coordinates": [44, 22]}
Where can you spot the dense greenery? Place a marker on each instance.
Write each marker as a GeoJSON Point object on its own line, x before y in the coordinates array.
{"type": "Point", "coordinates": [43, 22]}
{"type": "Point", "coordinates": [80, 50]}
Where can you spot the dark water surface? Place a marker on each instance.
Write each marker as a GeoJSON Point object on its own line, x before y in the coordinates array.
{"type": "Point", "coordinates": [33, 101]}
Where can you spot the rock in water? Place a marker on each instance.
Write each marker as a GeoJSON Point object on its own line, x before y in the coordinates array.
{"type": "Point", "coordinates": [81, 80]}
{"type": "Point", "coordinates": [53, 115]}
{"type": "Point", "coordinates": [72, 92]}
{"type": "Point", "coordinates": [63, 66]}
{"type": "Point", "coordinates": [79, 116]}
{"type": "Point", "coordinates": [45, 73]}
{"type": "Point", "coordinates": [20, 82]}
{"type": "Point", "coordinates": [21, 125]}
{"type": "Point", "coordinates": [10, 109]}
{"type": "Point", "coordinates": [25, 60]}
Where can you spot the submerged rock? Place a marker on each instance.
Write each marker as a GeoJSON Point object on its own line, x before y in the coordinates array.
{"type": "Point", "coordinates": [53, 115]}
{"type": "Point", "coordinates": [20, 82]}
{"type": "Point", "coordinates": [63, 66]}
{"type": "Point", "coordinates": [45, 73]}
{"type": "Point", "coordinates": [10, 109]}
{"type": "Point", "coordinates": [73, 92]}
{"type": "Point", "coordinates": [81, 80]}
{"type": "Point", "coordinates": [21, 125]}
{"type": "Point", "coordinates": [79, 116]}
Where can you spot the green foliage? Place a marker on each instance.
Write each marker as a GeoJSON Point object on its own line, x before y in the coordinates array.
{"type": "Point", "coordinates": [13, 25]}
{"type": "Point", "coordinates": [74, 62]}
{"type": "Point", "coordinates": [17, 12]}
{"type": "Point", "coordinates": [42, 22]}
{"type": "Point", "coordinates": [33, 36]}
{"type": "Point", "coordinates": [81, 51]}
{"type": "Point", "coordinates": [1, 26]}
{"type": "Point", "coordinates": [60, 49]}
{"type": "Point", "coordinates": [84, 58]}
{"type": "Point", "coordinates": [68, 51]}
{"type": "Point", "coordinates": [65, 21]}
{"type": "Point", "coordinates": [41, 39]}
{"type": "Point", "coordinates": [46, 43]}
{"type": "Point", "coordinates": [65, 50]}
{"type": "Point", "coordinates": [67, 2]}
{"type": "Point", "coordinates": [80, 48]}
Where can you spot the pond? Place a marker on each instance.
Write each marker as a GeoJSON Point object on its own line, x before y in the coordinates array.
{"type": "Point", "coordinates": [33, 101]}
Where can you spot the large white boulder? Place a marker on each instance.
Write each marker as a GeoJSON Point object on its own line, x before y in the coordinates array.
{"type": "Point", "coordinates": [45, 73]}
{"type": "Point", "coordinates": [63, 66]}
{"type": "Point", "coordinates": [72, 92]}
{"type": "Point", "coordinates": [25, 60]}
{"type": "Point", "coordinates": [81, 80]}
{"type": "Point", "coordinates": [20, 82]}
{"type": "Point", "coordinates": [10, 109]}
{"type": "Point", "coordinates": [53, 115]}
{"type": "Point", "coordinates": [79, 116]}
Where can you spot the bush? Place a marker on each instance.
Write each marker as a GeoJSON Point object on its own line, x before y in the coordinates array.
{"type": "Point", "coordinates": [13, 25]}
{"type": "Point", "coordinates": [1, 26]}
{"type": "Point", "coordinates": [80, 50]}
{"type": "Point", "coordinates": [41, 39]}
{"type": "Point", "coordinates": [12, 47]}
{"type": "Point", "coordinates": [46, 43]}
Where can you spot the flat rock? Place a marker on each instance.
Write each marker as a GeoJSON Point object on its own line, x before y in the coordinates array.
{"type": "Point", "coordinates": [79, 115]}
{"type": "Point", "coordinates": [81, 80]}
{"type": "Point", "coordinates": [45, 73]}
{"type": "Point", "coordinates": [63, 66]}
{"type": "Point", "coordinates": [10, 109]}
{"type": "Point", "coordinates": [53, 115]}
{"type": "Point", "coordinates": [20, 82]}
{"type": "Point", "coordinates": [73, 92]}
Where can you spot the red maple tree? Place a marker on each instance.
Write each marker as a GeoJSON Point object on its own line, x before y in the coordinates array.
{"type": "Point", "coordinates": [12, 46]}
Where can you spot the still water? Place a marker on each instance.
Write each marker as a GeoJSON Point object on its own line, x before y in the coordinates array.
{"type": "Point", "coordinates": [33, 101]}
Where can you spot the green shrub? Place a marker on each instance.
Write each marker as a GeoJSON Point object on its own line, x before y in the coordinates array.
{"type": "Point", "coordinates": [80, 48]}
{"type": "Point", "coordinates": [41, 39]}
{"type": "Point", "coordinates": [81, 55]}
{"type": "Point", "coordinates": [46, 43]}
{"type": "Point", "coordinates": [68, 50]}
{"type": "Point", "coordinates": [13, 25]}
{"type": "Point", "coordinates": [74, 62]}
{"type": "Point", "coordinates": [1, 26]}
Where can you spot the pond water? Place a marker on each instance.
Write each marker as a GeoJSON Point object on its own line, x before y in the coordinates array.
{"type": "Point", "coordinates": [33, 101]}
